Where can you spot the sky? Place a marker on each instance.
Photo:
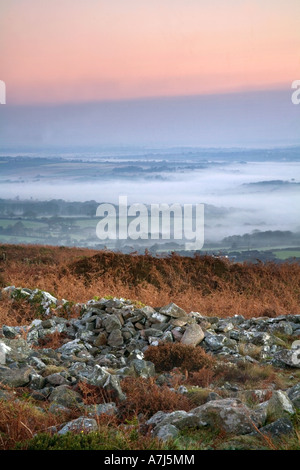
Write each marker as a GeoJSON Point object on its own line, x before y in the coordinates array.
{"type": "Point", "coordinates": [245, 119]}
{"type": "Point", "coordinates": [55, 53]}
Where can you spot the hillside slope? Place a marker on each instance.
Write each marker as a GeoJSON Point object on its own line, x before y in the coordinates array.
{"type": "Point", "coordinates": [212, 286]}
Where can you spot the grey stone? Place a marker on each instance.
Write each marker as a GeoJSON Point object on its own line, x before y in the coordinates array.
{"type": "Point", "coordinates": [90, 327]}
{"type": "Point", "coordinates": [9, 332]}
{"type": "Point", "coordinates": [108, 360]}
{"type": "Point", "coordinates": [237, 319]}
{"type": "Point", "coordinates": [180, 419]}
{"type": "Point", "coordinates": [156, 418]}
{"type": "Point", "coordinates": [85, 336]}
{"type": "Point", "coordinates": [127, 334]}
{"type": "Point", "coordinates": [228, 414]}
{"type": "Point", "coordinates": [115, 338]}
{"type": "Point", "coordinates": [182, 390]}
{"type": "Point", "coordinates": [167, 432]}
{"type": "Point", "coordinates": [168, 418]}
{"type": "Point", "coordinates": [189, 420]}
{"type": "Point", "coordinates": [137, 318]}
{"type": "Point", "coordinates": [253, 395]}
{"type": "Point", "coordinates": [49, 323]}
{"type": "Point", "coordinates": [136, 344]}
{"type": "Point", "coordinates": [103, 408]}
{"type": "Point", "coordinates": [81, 424]}
{"type": "Point", "coordinates": [213, 396]}
{"type": "Point", "coordinates": [172, 310]}
{"type": "Point", "coordinates": [287, 357]}
{"type": "Point", "coordinates": [294, 395]}
{"type": "Point", "coordinates": [65, 396]}
{"type": "Point", "coordinates": [33, 336]}
{"type": "Point", "coordinates": [153, 341]}
{"type": "Point", "coordinates": [95, 375]}
{"type": "Point", "coordinates": [72, 347]}
{"type": "Point", "coordinates": [37, 382]}
{"type": "Point", "coordinates": [224, 326]}
{"type": "Point", "coordinates": [41, 394]}
{"type": "Point", "coordinates": [147, 311]}
{"type": "Point", "coordinates": [100, 377]}
{"type": "Point", "coordinates": [235, 334]}
{"type": "Point", "coordinates": [37, 363]}
{"type": "Point", "coordinates": [193, 335]}
{"type": "Point", "coordinates": [15, 377]}
{"type": "Point", "coordinates": [154, 332]}
{"type": "Point", "coordinates": [167, 337]}
{"type": "Point", "coordinates": [177, 334]}
{"type": "Point", "coordinates": [257, 338]}
{"type": "Point", "coordinates": [135, 354]}
{"type": "Point", "coordinates": [57, 409]}
{"type": "Point", "coordinates": [56, 379]}
{"type": "Point", "coordinates": [180, 321]}
{"type": "Point", "coordinates": [143, 368]}
{"type": "Point", "coordinates": [280, 427]}
{"type": "Point", "coordinates": [19, 349]}
{"type": "Point", "coordinates": [157, 317]}
{"type": "Point", "coordinates": [112, 385]}
{"type": "Point", "coordinates": [114, 303]}
{"type": "Point", "coordinates": [101, 339]}
{"type": "Point", "coordinates": [283, 327]}
{"type": "Point", "coordinates": [4, 349]}
{"type": "Point", "coordinates": [261, 410]}
{"type": "Point", "coordinates": [111, 322]}
{"type": "Point", "coordinates": [280, 405]}
{"type": "Point", "coordinates": [214, 342]}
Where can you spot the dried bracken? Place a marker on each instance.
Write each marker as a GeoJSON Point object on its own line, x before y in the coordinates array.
{"type": "Point", "coordinates": [209, 285]}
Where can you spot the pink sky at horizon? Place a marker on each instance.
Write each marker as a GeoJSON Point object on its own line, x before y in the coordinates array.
{"type": "Point", "coordinates": [57, 51]}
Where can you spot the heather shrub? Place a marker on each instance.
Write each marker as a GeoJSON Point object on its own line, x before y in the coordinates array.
{"type": "Point", "coordinates": [106, 439]}
{"type": "Point", "coordinates": [2, 281]}
{"type": "Point", "coordinates": [198, 396]}
{"type": "Point", "coordinates": [93, 395]}
{"type": "Point", "coordinates": [52, 340]}
{"type": "Point", "coordinates": [15, 312]}
{"type": "Point", "coordinates": [20, 420]}
{"type": "Point", "coordinates": [170, 355]}
{"type": "Point", "coordinates": [145, 397]}
{"type": "Point", "coordinates": [201, 378]}
{"type": "Point", "coordinates": [52, 369]}
{"type": "Point", "coordinates": [252, 374]}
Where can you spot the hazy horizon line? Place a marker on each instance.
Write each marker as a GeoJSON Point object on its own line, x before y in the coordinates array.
{"type": "Point", "coordinates": [281, 87]}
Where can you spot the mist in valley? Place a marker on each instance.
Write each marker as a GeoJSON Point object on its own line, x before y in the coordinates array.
{"type": "Point", "coordinates": [241, 195]}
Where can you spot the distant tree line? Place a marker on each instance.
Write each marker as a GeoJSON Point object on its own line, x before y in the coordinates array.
{"type": "Point", "coordinates": [52, 208]}
{"type": "Point", "coordinates": [262, 239]}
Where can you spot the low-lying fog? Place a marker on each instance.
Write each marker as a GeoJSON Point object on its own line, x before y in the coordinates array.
{"type": "Point", "coordinates": [241, 205]}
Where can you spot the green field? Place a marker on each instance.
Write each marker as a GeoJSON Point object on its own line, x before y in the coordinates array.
{"type": "Point", "coordinates": [285, 254]}
{"type": "Point", "coordinates": [27, 223]}
{"type": "Point", "coordinates": [14, 239]}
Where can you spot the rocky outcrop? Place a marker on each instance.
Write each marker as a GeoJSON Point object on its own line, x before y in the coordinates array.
{"type": "Point", "coordinates": [81, 424]}
{"type": "Point", "coordinates": [230, 415]}
{"type": "Point", "coordinates": [107, 340]}
{"type": "Point", "coordinates": [280, 405]}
